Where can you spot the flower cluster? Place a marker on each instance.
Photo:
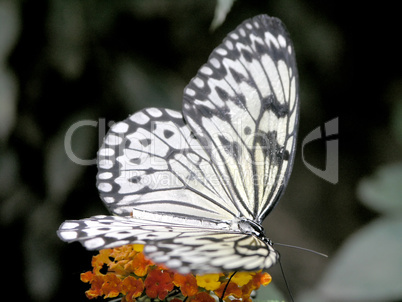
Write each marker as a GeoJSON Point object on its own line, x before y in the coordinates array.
{"type": "Point", "coordinates": [125, 272]}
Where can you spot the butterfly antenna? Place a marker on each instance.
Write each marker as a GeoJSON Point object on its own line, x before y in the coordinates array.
{"type": "Point", "coordinates": [302, 248]}
{"type": "Point", "coordinates": [226, 286]}
{"type": "Point", "coordinates": [286, 281]}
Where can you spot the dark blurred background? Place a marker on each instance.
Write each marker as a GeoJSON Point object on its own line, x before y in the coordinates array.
{"type": "Point", "coordinates": [69, 61]}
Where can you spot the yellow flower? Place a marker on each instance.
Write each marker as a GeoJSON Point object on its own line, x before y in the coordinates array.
{"type": "Point", "coordinates": [242, 278]}
{"type": "Point", "coordinates": [138, 247]}
{"type": "Point", "coordinates": [209, 281]}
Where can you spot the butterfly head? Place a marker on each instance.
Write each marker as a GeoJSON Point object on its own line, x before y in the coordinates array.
{"type": "Point", "coordinates": [247, 226]}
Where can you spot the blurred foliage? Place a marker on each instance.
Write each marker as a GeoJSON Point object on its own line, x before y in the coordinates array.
{"type": "Point", "coordinates": [66, 63]}
{"type": "Point", "coordinates": [269, 293]}
{"type": "Point", "coordinates": [221, 10]}
{"type": "Point", "coordinates": [9, 30]}
{"type": "Point", "coordinates": [368, 265]}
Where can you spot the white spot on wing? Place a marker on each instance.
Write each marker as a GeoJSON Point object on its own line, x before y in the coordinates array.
{"type": "Point", "coordinates": [150, 248]}
{"type": "Point", "coordinates": [105, 175]}
{"type": "Point", "coordinates": [113, 140]}
{"type": "Point", "coordinates": [206, 70]}
{"type": "Point", "coordinates": [106, 152]}
{"type": "Point", "coordinates": [234, 36]}
{"type": "Point", "coordinates": [108, 199]}
{"type": "Point", "coordinates": [282, 41]}
{"type": "Point", "coordinates": [161, 258]}
{"type": "Point", "coordinates": [105, 187]}
{"type": "Point", "coordinates": [140, 118]}
{"type": "Point", "coordinates": [173, 113]}
{"type": "Point", "coordinates": [154, 112]}
{"type": "Point", "coordinates": [121, 127]}
{"type": "Point", "coordinates": [190, 92]}
{"type": "Point", "coordinates": [229, 45]}
{"type": "Point", "coordinates": [269, 38]}
{"type": "Point", "coordinates": [200, 83]}
{"type": "Point", "coordinates": [69, 235]}
{"type": "Point", "coordinates": [105, 164]}
{"type": "Point", "coordinates": [215, 63]}
{"type": "Point", "coordinates": [70, 225]}
{"type": "Point", "coordinates": [173, 263]}
{"type": "Point", "coordinates": [94, 243]}
{"type": "Point", "coordinates": [222, 51]}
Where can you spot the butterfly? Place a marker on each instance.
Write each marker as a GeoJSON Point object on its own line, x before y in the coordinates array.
{"type": "Point", "coordinates": [194, 186]}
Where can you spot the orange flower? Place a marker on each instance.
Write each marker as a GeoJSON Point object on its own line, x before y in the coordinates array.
{"type": "Point", "coordinates": [158, 284]}
{"type": "Point", "coordinates": [131, 288]}
{"type": "Point", "coordinates": [246, 290]}
{"type": "Point", "coordinates": [140, 265]}
{"type": "Point", "coordinates": [202, 297]}
{"type": "Point", "coordinates": [87, 277]}
{"type": "Point", "coordinates": [123, 253]}
{"type": "Point", "coordinates": [258, 279]}
{"type": "Point", "coordinates": [111, 286]}
{"type": "Point", "coordinates": [118, 268]}
{"type": "Point", "coordinates": [99, 260]}
{"type": "Point", "coordinates": [231, 289]}
{"type": "Point", "coordinates": [187, 283]}
{"type": "Point", "coordinates": [261, 279]}
{"type": "Point", "coordinates": [96, 287]}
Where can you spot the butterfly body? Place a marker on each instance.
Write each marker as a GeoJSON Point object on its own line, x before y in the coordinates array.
{"type": "Point", "coordinates": [194, 186]}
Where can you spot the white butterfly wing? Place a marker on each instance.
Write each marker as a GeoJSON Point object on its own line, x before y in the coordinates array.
{"type": "Point", "coordinates": [182, 248]}
{"type": "Point", "coordinates": [243, 107]}
{"type": "Point", "coordinates": [152, 162]}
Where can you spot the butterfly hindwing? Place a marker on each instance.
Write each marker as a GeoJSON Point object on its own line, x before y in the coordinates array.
{"type": "Point", "coordinates": [212, 251]}
{"type": "Point", "coordinates": [182, 248]}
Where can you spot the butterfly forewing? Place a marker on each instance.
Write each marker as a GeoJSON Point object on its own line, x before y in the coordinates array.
{"type": "Point", "coordinates": [243, 106]}
{"type": "Point", "coordinates": [195, 186]}
{"type": "Point", "coordinates": [152, 162]}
